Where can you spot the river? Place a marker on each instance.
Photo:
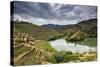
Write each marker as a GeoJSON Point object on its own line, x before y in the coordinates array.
{"type": "Point", "coordinates": [62, 44]}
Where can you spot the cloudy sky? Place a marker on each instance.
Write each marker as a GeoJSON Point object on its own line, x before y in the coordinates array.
{"type": "Point", "coordinates": [51, 13]}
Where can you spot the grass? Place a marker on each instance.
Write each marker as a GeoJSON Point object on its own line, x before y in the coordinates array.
{"type": "Point", "coordinates": [28, 59]}
{"type": "Point", "coordinates": [19, 50]}
{"type": "Point", "coordinates": [65, 56]}
{"type": "Point", "coordinates": [89, 41]}
{"type": "Point", "coordinates": [45, 45]}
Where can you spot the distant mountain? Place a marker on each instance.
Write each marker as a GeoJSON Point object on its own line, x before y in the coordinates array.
{"type": "Point", "coordinates": [52, 26]}
{"type": "Point", "coordinates": [57, 27]}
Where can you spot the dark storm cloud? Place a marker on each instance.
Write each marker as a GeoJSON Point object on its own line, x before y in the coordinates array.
{"type": "Point", "coordinates": [54, 11]}
{"type": "Point", "coordinates": [32, 9]}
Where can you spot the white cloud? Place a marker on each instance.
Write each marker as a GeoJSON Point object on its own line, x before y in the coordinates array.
{"type": "Point", "coordinates": [42, 21]}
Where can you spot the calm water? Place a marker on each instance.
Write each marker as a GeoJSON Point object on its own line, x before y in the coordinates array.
{"type": "Point", "coordinates": [61, 44]}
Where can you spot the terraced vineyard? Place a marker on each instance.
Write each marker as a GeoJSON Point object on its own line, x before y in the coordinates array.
{"type": "Point", "coordinates": [30, 51]}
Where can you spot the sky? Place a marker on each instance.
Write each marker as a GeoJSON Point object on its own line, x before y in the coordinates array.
{"type": "Point", "coordinates": [52, 13]}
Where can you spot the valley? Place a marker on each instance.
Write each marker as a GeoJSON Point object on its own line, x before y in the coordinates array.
{"type": "Point", "coordinates": [33, 43]}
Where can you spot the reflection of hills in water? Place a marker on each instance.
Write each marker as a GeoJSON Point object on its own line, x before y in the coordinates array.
{"type": "Point", "coordinates": [61, 44]}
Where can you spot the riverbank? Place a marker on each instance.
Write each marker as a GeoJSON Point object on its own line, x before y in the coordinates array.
{"type": "Point", "coordinates": [62, 44]}
{"type": "Point", "coordinates": [69, 57]}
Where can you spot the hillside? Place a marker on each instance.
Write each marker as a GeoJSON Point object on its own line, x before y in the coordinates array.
{"type": "Point", "coordinates": [77, 31]}
{"type": "Point", "coordinates": [85, 29]}
{"type": "Point", "coordinates": [35, 31]}
{"type": "Point", "coordinates": [73, 32]}
{"type": "Point", "coordinates": [34, 51]}
{"type": "Point", "coordinates": [55, 27]}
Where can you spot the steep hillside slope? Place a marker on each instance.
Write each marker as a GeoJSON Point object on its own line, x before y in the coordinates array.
{"type": "Point", "coordinates": [35, 31]}
{"type": "Point", "coordinates": [89, 29]}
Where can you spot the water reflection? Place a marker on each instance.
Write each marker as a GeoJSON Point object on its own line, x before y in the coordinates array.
{"type": "Point", "coordinates": [61, 44]}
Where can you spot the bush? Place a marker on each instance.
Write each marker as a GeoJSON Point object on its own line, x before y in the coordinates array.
{"type": "Point", "coordinates": [68, 58]}
{"type": "Point", "coordinates": [51, 59]}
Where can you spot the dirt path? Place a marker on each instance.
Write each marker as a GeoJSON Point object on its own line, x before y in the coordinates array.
{"type": "Point", "coordinates": [22, 55]}
{"type": "Point", "coordinates": [18, 45]}
{"type": "Point", "coordinates": [16, 59]}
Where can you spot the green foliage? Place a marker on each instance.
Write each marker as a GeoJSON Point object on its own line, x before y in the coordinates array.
{"type": "Point", "coordinates": [89, 41]}
{"type": "Point", "coordinates": [81, 30]}
{"type": "Point", "coordinates": [64, 53]}
{"type": "Point", "coordinates": [57, 36]}
{"type": "Point", "coordinates": [45, 45]}
{"type": "Point", "coordinates": [20, 50]}
{"type": "Point", "coordinates": [51, 59]}
{"type": "Point", "coordinates": [79, 35]}
{"type": "Point", "coordinates": [60, 57]}
{"type": "Point", "coordinates": [68, 58]}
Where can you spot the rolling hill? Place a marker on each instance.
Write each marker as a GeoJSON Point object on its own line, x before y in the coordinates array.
{"type": "Point", "coordinates": [35, 31]}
